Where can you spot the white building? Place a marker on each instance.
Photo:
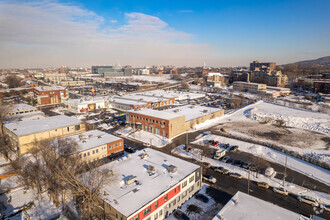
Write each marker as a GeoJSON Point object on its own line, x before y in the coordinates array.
{"type": "Point", "coordinates": [85, 105]}
{"type": "Point", "coordinates": [143, 72]}
{"type": "Point", "coordinates": [150, 185]}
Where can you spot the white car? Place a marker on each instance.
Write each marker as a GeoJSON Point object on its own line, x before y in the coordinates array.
{"type": "Point", "coordinates": [308, 200]}
{"type": "Point", "coordinates": [209, 178]}
{"type": "Point", "coordinates": [281, 191]}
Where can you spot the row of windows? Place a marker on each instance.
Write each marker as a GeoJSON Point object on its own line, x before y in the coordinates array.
{"type": "Point", "coordinates": [146, 119]}
{"type": "Point", "coordinates": [114, 145]}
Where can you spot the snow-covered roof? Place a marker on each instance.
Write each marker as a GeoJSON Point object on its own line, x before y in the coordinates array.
{"type": "Point", "coordinates": [157, 114]}
{"type": "Point", "coordinates": [84, 101]}
{"type": "Point", "coordinates": [127, 102]}
{"type": "Point", "coordinates": [138, 97]}
{"type": "Point", "coordinates": [22, 107]}
{"type": "Point", "coordinates": [214, 74]}
{"type": "Point", "coordinates": [39, 124]}
{"type": "Point", "coordinates": [192, 111]}
{"type": "Point", "coordinates": [248, 207]}
{"type": "Point", "coordinates": [93, 138]}
{"type": "Point", "coordinates": [127, 199]}
{"type": "Point", "coordinates": [48, 88]}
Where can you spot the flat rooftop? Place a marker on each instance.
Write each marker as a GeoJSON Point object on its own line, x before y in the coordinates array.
{"type": "Point", "coordinates": [157, 114]}
{"type": "Point", "coordinates": [22, 107]}
{"type": "Point", "coordinates": [127, 199]}
{"type": "Point", "coordinates": [93, 138]}
{"type": "Point", "coordinates": [250, 208]}
{"type": "Point", "coordinates": [84, 101]}
{"type": "Point", "coordinates": [127, 102]}
{"type": "Point", "coordinates": [40, 124]}
{"type": "Point", "coordinates": [138, 97]}
{"type": "Point", "coordinates": [192, 111]}
{"type": "Point", "coordinates": [49, 88]}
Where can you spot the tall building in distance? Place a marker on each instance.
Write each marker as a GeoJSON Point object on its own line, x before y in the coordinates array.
{"type": "Point", "coordinates": [255, 65]}
{"type": "Point", "coordinates": [111, 71]}
{"type": "Point", "coordinates": [266, 73]}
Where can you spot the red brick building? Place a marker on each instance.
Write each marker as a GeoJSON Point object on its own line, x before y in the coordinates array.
{"type": "Point", "coordinates": [47, 95]}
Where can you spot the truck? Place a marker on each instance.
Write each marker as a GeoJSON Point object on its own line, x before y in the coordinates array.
{"type": "Point", "coordinates": [219, 154]}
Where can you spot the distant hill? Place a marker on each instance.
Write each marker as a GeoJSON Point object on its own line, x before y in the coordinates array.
{"type": "Point", "coordinates": [323, 61]}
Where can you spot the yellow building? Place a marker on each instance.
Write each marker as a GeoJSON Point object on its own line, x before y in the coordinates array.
{"type": "Point", "coordinates": [24, 133]}
{"type": "Point", "coordinates": [249, 87]}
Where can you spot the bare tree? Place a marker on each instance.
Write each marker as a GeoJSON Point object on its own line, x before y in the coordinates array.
{"type": "Point", "coordinates": [13, 81]}
{"type": "Point", "coordinates": [55, 167]}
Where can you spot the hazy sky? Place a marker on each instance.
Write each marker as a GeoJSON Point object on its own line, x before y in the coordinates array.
{"type": "Point", "coordinates": [182, 33]}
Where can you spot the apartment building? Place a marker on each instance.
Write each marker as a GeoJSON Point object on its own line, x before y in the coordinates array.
{"type": "Point", "coordinates": [271, 78]}
{"type": "Point", "coordinates": [24, 133]}
{"type": "Point", "coordinates": [47, 95]}
{"type": "Point", "coordinates": [256, 65]}
{"type": "Point", "coordinates": [95, 145]}
{"type": "Point", "coordinates": [171, 122]}
{"type": "Point", "coordinates": [214, 79]}
{"type": "Point", "coordinates": [150, 185]}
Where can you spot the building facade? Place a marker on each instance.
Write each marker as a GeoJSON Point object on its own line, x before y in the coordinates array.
{"type": "Point", "coordinates": [111, 71]}
{"type": "Point", "coordinates": [271, 78]}
{"type": "Point", "coordinates": [23, 134]}
{"type": "Point", "coordinates": [249, 87]}
{"type": "Point", "coordinates": [47, 95]}
{"type": "Point", "coordinates": [256, 65]}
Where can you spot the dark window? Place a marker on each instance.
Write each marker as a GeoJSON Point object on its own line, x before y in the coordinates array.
{"type": "Point", "coordinates": [147, 211]}
{"type": "Point", "coordinates": [77, 127]}
{"type": "Point", "coordinates": [166, 197]}
{"type": "Point", "coordinates": [156, 204]}
{"type": "Point", "coordinates": [68, 128]}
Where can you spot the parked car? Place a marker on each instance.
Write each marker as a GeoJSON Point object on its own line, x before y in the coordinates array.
{"type": "Point", "coordinates": [221, 170]}
{"type": "Point", "coordinates": [245, 165]}
{"type": "Point", "coordinates": [235, 175]}
{"type": "Point", "coordinates": [180, 215]}
{"type": "Point", "coordinates": [253, 168]}
{"type": "Point", "coordinates": [308, 200]}
{"type": "Point", "coordinates": [233, 148]}
{"type": "Point", "coordinates": [209, 178]}
{"type": "Point", "coordinates": [281, 191]}
{"type": "Point", "coordinates": [146, 144]}
{"type": "Point", "coordinates": [129, 149]}
{"type": "Point", "coordinates": [225, 159]}
{"type": "Point", "coordinates": [206, 164]}
{"type": "Point", "coordinates": [211, 142]}
{"type": "Point", "coordinates": [263, 185]}
{"type": "Point", "coordinates": [216, 143]}
{"type": "Point", "coordinates": [202, 198]}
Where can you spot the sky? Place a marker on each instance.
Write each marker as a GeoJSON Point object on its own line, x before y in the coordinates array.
{"type": "Point", "coordinates": [82, 33]}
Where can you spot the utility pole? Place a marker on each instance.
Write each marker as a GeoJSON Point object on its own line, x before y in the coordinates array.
{"type": "Point", "coordinates": [187, 139]}
{"type": "Point", "coordinates": [249, 182]}
{"type": "Point", "coordinates": [286, 160]}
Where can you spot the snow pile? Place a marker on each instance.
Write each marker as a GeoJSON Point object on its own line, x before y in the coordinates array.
{"type": "Point", "coordinates": [267, 112]}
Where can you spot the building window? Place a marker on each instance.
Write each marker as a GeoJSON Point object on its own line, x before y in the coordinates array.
{"type": "Point", "coordinates": [191, 188]}
{"type": "Point", "coordinates": [166, 197]}
{"type": "Point", "coordinates": [191, 179]}
{"type": "Point", "coordinates": [77, 127]}
{"type": "Point", "coordinates": [161, 212]}
{"type": "Point", "coordinates": [178, 199]}
{"type": "Point", "coordinates": [156, 216]}
{"type": "Point", "coordinates": [156, 204]}
{"type": "Point", "coordinates": [67, 128]}
{"type": "Point", "coordinates": [147, 211]}
{"type": "Point", "coordinates": [97, 150]}
{"type": "Point", "coordinates": [175, 190]}
{"type": "Point", "coordinates": [184, 194]}
{"type": "Point", "coordinates": [84, 154]}
{"type": "Point", "coordinates": [88, 153]}
{"type": "Point", "coordinates": [119, 143]}
{"type": "Point", "coordinates": [174, 202]}
{"type": "Point", "coordinates": [184, 184]}
{"type": "Point", "coordinates": [93, 151]}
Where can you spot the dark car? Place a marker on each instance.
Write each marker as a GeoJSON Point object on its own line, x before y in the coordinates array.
{"type": "Point", "coordinates": [129, 149]}
{"type": "Point", "coordinates": [202, 198]}
{"type": "Point", "coordinates": [180, 215]}
{"type": "Point", "coordinates": [233, 148]}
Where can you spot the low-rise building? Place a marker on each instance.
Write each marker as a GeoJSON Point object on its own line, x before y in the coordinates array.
{"type": "Point", "coordinates": [85, 105]}
{"type": "Point", "coordinates": [150, 185]}
{"type": "Point", "coordinates": [271, 78]}
{"type": "Point", "coordinates": [171, 122]}
{"type": "Point", "coordinates": [23, 134]}
{"type": "Point", "coordinates": [249, 87]}
{"type": "Point", "coordinates": [95, 145]}
{"type": "Point", "coordinates": [214, 79]}
{"type": "Point", "coordinates": [72, 83]}
{"type": "Point", "coordinates": [48, 95]}
{"type": "Point", "coordinates": [24, 111]}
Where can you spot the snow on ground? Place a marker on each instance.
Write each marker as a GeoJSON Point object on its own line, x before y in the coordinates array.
{"type": "Point", "coordinates": [292, 117]}
{"type": "Point", "coordinates": [105, 126]}
{"type": "Point", "coordinates": [15, 200]}
{"type": "Point", "coordinates": [321, 197]}
{"type": "Point", "coordinates": [244, 206]}
{"type": "Point", "coordinates": [206, 207]}
{"type": "Point", "coordinates": [145, 137]}
{"type": "Point", "coordinates": [164, 78]}
{"type": "Point", "coordinates": [272, 155]}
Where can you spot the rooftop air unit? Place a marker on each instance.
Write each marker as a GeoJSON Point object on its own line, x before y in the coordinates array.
{"type": "Point", "coordinates": [176, 110]}
{"type": "Point", "coordinates": [172, 169]}
{"type": "Point", "coordinates": [151, 168]}
{"type": "Point", "coordinates": [205, 111]}
{"type": "Point", "coordinates": [130, 180]}
{"type": "Point", "coordinates": [82, 137]}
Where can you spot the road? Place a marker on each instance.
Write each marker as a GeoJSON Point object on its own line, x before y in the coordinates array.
{"type": "Point", "coordinates": [231, 185]}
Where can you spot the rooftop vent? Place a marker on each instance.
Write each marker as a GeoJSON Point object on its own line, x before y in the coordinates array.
{"type": "Point", "coordinates": [205, 111]}
{"type": "Point", "coordinates": [143, 156]}
{"type": "Point", "coordinates": [135, 190]}
{"type": "Point", "coordinates": [151, 168]}
{"type": "Point", "coordinates": [100, 136]}
{"type": "Point", "coordinates": [172, 169]}
{"type": "Point", "coordinates": [192, 106]}
{"type": "Point", "coordinates": [130, 180]}
{"type": "Point", "coordinates": [176, 110]}
{"type": "Point", "coordinates": [82, 137]}
{"type": "Point", "coordinates": [89, 136]}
